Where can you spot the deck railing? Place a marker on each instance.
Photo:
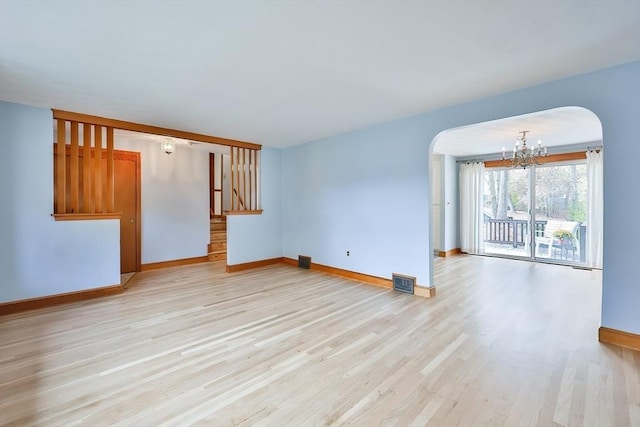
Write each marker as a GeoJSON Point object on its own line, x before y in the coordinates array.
{"type": "Point", "coordinates": [512, 231]}
{"type": "Point", "coordinates": [515, 231]}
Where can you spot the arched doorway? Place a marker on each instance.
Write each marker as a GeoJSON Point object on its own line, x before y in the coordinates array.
{"type": "Point", "coordinates": [531, 219]}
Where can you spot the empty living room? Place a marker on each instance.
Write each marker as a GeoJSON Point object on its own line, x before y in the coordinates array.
{"type": "Point", "coordinates": [275, 213]}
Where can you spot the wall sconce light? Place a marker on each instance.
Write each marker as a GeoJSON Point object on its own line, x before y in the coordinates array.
{"type": "Point", "coordinates": [168, 145]}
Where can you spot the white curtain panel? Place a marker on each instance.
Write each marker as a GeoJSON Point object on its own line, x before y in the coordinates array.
{"type": "Point", "coordinates": [471, 207]}
{"type": "Point", "coordinates": [595, 206]}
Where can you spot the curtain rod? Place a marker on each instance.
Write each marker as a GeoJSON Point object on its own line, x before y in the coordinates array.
{"type": "Point", "coordinates": [474, 160]}
{"type": "Point", "coordinates": [499, 157]}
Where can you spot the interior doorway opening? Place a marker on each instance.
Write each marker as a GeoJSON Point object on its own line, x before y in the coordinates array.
{"type": "Point", "coordinates": [536, 215]}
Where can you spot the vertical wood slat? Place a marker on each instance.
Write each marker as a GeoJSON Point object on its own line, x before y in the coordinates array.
{"type": "Point", "coordinates": [238, 181]}
{"type": "Point", "coordinates": [74, 193]}
{"type": "Point", "coordinates": [60, 187]}
{"type": "Point", "coordinates": [257, 174]}
{"type": "Point", "coordinates": [221, 181]}
{"type": "Point", "coordinates": [212, 184]}
{"type": "Point", "coordinates": [247, 176]}
{"type": "Point", "coordinates": [97, 169]}
{"type": "Point", "coordinates": [251, 206]}
{"type": "Point", "coordinates": [110, 167]}
{"type": "Point", "coordinates": [234, 194]}
{"type": "Point", "coordinates": [255, 180]}
{"type": "Point", "coordinates": [87, 206]}
{"type": "Point", "coordinates": [244, 180]}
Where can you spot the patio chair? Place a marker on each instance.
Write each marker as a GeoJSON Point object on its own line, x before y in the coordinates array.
{"type": "Point", "coordinates": [548, 241]}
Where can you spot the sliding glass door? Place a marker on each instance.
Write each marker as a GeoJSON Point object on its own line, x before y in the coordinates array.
{"type": "Point", "coordinates": [561, 212]}
{"type": "Point", "coordinates": [507, 212]}
{"type": "Point", "coordinates": [553, 230]}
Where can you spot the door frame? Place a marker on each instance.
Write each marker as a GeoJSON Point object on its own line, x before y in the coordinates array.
{"type": "Point", "coordinates": [134, 156]}
{"type": "Point", "coordinates": [573, 157]}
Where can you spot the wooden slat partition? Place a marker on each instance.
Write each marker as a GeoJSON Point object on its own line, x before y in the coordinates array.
{"type": "Point", "coordinates": [84, 181]}
{"type": "Point", "coordinates": [244, 181]}
{"type": "Point", "coordinates": [84, 174]}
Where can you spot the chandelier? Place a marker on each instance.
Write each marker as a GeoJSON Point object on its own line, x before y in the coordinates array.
{"type": "Point", "coordinates": [525, 156]}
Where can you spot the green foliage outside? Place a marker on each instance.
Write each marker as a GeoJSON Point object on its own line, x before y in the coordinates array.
{"type": "Point", "coordinates": [561, 192]}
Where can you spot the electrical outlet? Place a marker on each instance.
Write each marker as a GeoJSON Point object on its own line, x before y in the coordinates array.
{"type": "Point", "coordinates": [347, 253]}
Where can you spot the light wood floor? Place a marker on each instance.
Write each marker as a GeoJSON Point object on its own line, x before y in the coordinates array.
{"type": "Point", "coordinates": [503, 343]}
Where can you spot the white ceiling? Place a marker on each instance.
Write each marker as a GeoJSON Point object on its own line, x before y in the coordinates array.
{"type": "Point", "coordinates": [281, 73]}
{"type": "Point", "coordinates": [558, 127]}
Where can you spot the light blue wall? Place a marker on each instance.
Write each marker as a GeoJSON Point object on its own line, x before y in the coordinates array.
{"type": "Point", "coordinates": [363, 192]}
{"type": "Point", "coordinates": [367, 191]}
{"type": "Point", "coordinates": [39, 256]}
{"type": "Point", "coordinates": [259, 237]}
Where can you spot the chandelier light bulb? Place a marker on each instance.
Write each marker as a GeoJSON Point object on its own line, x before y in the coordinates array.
{"type": "Point", "coordinates": [526, 156]}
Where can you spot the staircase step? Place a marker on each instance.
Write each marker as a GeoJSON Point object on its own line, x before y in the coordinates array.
{"type": "Point", "coordinates": [218, 225]}
{"type": "Point", "coordinates": [217, 246]}
{"type": "Point", "coordinates": [218, 256]}
{"type": "Point", "coordinates": [217, 236]}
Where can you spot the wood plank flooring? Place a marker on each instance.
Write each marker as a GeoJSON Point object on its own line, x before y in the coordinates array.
{"type": "Point", "coordinates": [503, 343]}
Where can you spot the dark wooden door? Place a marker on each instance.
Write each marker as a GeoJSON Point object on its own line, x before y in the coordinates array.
{"type": "Point", "coordinates": [126, 201]}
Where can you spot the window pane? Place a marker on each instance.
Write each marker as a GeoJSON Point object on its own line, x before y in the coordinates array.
{"type": "Point", "coordinates": [561, 212]}
{"type": "Point", "coordinates": [506, 212]}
